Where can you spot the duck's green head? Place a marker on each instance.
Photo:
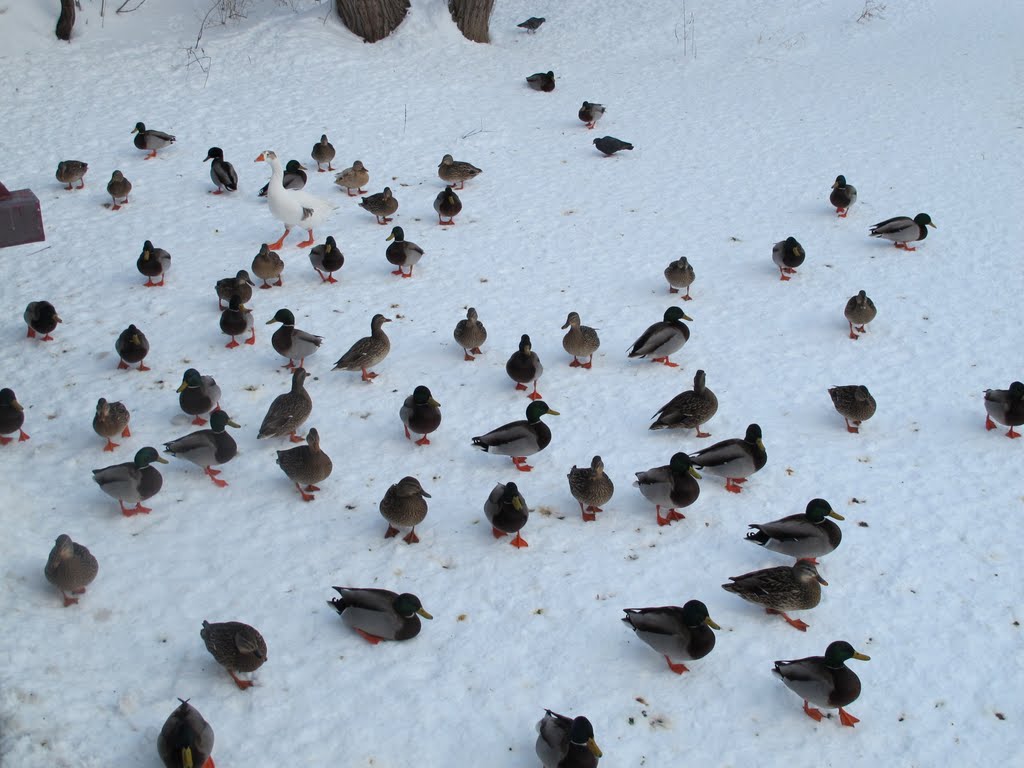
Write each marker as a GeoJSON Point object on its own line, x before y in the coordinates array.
{"type": "Point", "coordinates": [924, 220]}
{"type": "Point", "coordinates": [406, 605]}
{"type": "Point", "coordinates": [235, 304]}
{"type": "Point", "coordinates": [695, 613]}
{"type": "Point", "coordinates": [581, 733]}
{"type": "Point", "coordinates": [681, 464]}
{"type": "Point", "coordinates": [139, 128]}
{"type": "Point", "coordinates": [292, 166]}
{"type": "Point", "coordinates": [283, 316]}
{"type": "Point", "coordinates": [753, 435]}
{"type": "Point", "coordinates": [525, 345]}
{"type": "Point", "coordinates": [147, 249]}
{"type": "Point", "coordinates": [675, 314]}
{"type": "Point", "coordinates": [840, 182]}
{"type": "Point", "coordinates": [214, 153]}
{"type": "Point", "coordinates": [219, 420]}
{"type": "Point", "coordinates": [147, 456]}
{"type": "Point", "coordinates": [818, 509]}
{"type": "Point", "coordinates": [397, 234]}
{"type": "Point", "coordinates": [839, 652]}
{"type": "Point", "coordinates": [421, 396]}
{"type": "Point", "coordinates": [191, 378]}
{"type": "Point", "coordinates": [330, 243]}
{"type": "Point", "coordinates": [8, 400]}
{"type": "Point", "coordinates": [1017, 390]}
{"type": "Point", "coordinates": [536, 409]}
{"type": "Point", "coordinates": [511, 496]}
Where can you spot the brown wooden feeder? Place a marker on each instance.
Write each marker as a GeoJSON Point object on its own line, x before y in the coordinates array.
{"type": "Point", "coordinates": [21, 220]}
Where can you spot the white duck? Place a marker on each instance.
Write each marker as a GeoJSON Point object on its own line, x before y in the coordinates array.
{"type": "Point", "coordinates": [291, 206]}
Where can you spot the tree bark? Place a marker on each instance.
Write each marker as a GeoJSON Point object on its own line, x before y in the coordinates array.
{"type": "Point", "coordinates": [472, 18]}
{"type": "Point", "coordinates": [372, 20]}
{"type": "Point", "coordinates": [66, 20]}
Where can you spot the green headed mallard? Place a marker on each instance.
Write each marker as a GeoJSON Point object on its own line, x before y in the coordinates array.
{"type": "Point", "coordinates": [151, 141]}
{"type": "Point", "coordinates": [788, 254]}
{"type": "Point", "coordinates": [288, 411]}
{"type": "Point", "coordinates": [379, 614]}
{"type": "Point", "coordinates": [671, 486]}
{"type": "Point", "coordinates": [824, 680]}
{"type": "Point", "coordinates": [186, 740]}
{"type": "Point", "coordinates": [860, 310]}
{"type": "Point", "coordinates": [1005, 406]}
{"type": "Point", "coordinates": [664, 338]}
{"type": "Point", "coordinates": [237, 320]}
{"type": "Point", "coordinates": [198, 394]}
{"type": "Point", "coordinates": [403, 506]}
{"type": "Point", "coordinates": [783, 588]}
{"type": "Point", "coordinates": [240, 285]}
{"type": "Point", "coordinates": [734, 459]}
{"type": "Point", "coordinates": [854, 403]}
{"type": "Point", "coordinates": [507, 512]}
{"type": "Point", "coordinates": [524, 366]}
{"type": "Point", "coordinates": [268, 265]}
{"type": "Point", "coordinates": [291, 342]}
{"type": "Point", "coordinates": [118, 188]}
{"type": "Point", "coordinates": [207, 447]}
{"type": "Point", "coordinates": [590, 113]}
{"type": "Point", "coordinates": [381, 204]}
{"type": "Point", "coordinates": [306, 465]}
{"type": "Point", "coordinates": [902, 230]}
{"type": "Point", "coordinates": [327, 257]}
{"type": "Point", "coordinates": [456, 172]}
{"type": "Point", "coordinates": [133, 480]}
{"type": "Point", "coordinates": [153, 262]}
{"type": "Point", "coordinates": [236, 646]}
{"type": "Point", "coordinates": [12, 417]}
{"type": "Point", "coordinates": [41, 318]}
{"type": "Point", "coordinates": [448, 205]}
{"type": "Point", "coordinates": [70, 171]}
{"type": "Point", "coordinates": [353, 179]}
{"type": "Point", "coordinates": [542, 81]}
{"type": "Point", "coordinates": [110, 420]}
{"type": "Point", "coordinates": [222, 173]}
{"type": "Point", "coordinates": [470, 334]}
{"type": "Point", "coordinates": [70, 567]}
{"type": "Point", "coordinates": [674, 632]}
{"type": "Point", "coordinates": [421, 414]}
{"type": "Point", "coordinates": [132, 346]}
{"type": "Point", "coordinates": [690, 409]}
{"type": "Point", "coordinates": [402, 253]}
{"type": "Point", "coordinates": [519, 439]}
{"type": "Point", "coordinates": [323, 152]}
{"type": "Point", "coordinates": [805, 536]}
{"type": "Point", "coordinates": [368, 351]}
{"type": "Point", "coordinates": [580, 341]}
{"type": "Point", "coordinates": [566, 742]}
{"type": "Point", "coordinates": [590, 487]}
{"type": "Point", "coordinates": [842, 196]}
{"type": "Point", "coordinates": [680, 274]}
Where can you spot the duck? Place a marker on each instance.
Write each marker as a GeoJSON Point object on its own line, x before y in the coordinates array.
{"type": "Point", "coordinates": [519, 439]}
{"type": "Point", "coordinates": [153, 262]}
{"type": "Point", "coordinates": [132, 346]}
{"type": "Point", "coordinates": [680, 274]}
{"type": "Point", "coordinates": [110, 420]}
{"type": "Point", "coordinates": [118, 188]}
{"type": "Point", "coordinates": [734, 459]}
{"type": "Point", "coordinates": [470, 334]}
{"type": "Point", "coordinates": [674, 632]}
{"type": "Point", "coordinates": [198, 394]}
{"type": "Point", "coordinates": [236, 646]}
{"type": "Point", "coordinates": [805, 536]}
{"type": "Point", "coordinates": [402, 253]}
{"type": "Point", "coordinates": [237, 320]}
{"type": "Point", "coordinates": [240, 285]}
{"type": "Point", "coordinates": [788, 254]}
{"type": "Point", "coordinates": [71, 567]}
{"type": "Point", "coordinates": [784, 588]}
{"type": "Point", "coordinates": [456, 172]}
{"type": "Point", "coordinates": [41, 318]}
{"type": "Point", "coordinates": [590, 113]}
{"type": "Point", "coordinates": [379, 614]}
{"type": "Point", "coordinates": [268, 265]}
{"type": "Point", "coordinates": [323, 152]}
{"type": "Point", "coordinates": [690, 409]}
{"type": "Point", "coordinates": [368, 351]}
{"type": "Point", "coordinates": [824, 680]}
{"type": "Point", "coordinates": [590, 487]}
{"type": "Point", "coordinates": [151, 141]}
{"type": "Point", "coordinates": [580, 341]}
{"type": "Point", "coordinates": [70, 171]}
{"type": "Point", "coordinates": [288, 411]}
{"type": "Point", "coordinates": [854, 403]}
{"type": "Point", "coordinates": [222, 173]}
{"type": "Point", "coordinates": [532, 24]}
{"type": "Point", "coordinates": [327, 257]}
{"type": "Point", "coordinates": [566, 742]}
{"type": "Point", "coordinates": [1006, 407]}
{"type": "Point", "coordinates": [306, 465]}
{"type": "Point", "coordinates": [403, 506]}
{"type": "Point", "coordinates": [381, 204]}
{"type": "Point", "coordinates": [672, 486]}
{"type": "Point", "coordinates": [421, 414]}
{"type": "Point", "coordinates": [294, 177]}
{"type": "Point", "coordinates": [12, 417]}
{"type": "Point", "coordinates": [507, 512]}
{"type": "Point", "coordinates": [353, 179]}
{"type": "Point", "coordinates": [609, 145]}
{"type": "Point", "coordinates": [207, 447]}
{"type": "Point", "coordinates": [664, 338]}
{"type": "Point", "coordinates": [186, 739]}
{"type": "Point", "coordinates": [292, 207]}
{"type": "Point", "coordinates": [842, 196]}
{"type": "Point", "coordinates": [542, 81]}
{"type": "Point", "coordinates": [902, 230]}
{"type": "Point", "coordinates": [291, 342]}
{"type": "Point", "coordinates": [134, 480]}
{"type": "Point", "coordinates": [447, 204]}
{"type": "Point", "coordinates": [524, 366]}
{"type": "Point", "coordinates": [860, 310]}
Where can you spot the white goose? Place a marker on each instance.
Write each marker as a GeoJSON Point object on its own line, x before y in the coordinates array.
{"type": "Point", "coordinates": [292, 206]}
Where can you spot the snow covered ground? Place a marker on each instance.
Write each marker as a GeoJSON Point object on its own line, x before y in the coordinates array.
{"type": "Point", "coordinates": [742, 114]}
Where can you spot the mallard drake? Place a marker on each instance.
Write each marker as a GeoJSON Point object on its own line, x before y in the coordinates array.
{"type": "Point", "coordinates": [198, 394]}
{"type": "Point", "coordinates": [237, 320]}
{"type": "Point", "coordinates": [323, 152]}
{"type": "Point", "coordinates": [680, 274]}
{"type": "Point", "coordinates": [447, 203]}
{"type": "Point", "coordinates": [132, 346]}
{"type": "Point", "coordinates": [12, 417]}
{"type": "Point", "coordinates": [207, 447]}
{"type": "Point", "coordinates": [734, 459]}
{"type": "Point", "coordinates": [673, 486]}
{"type": "Point", "coordinates": [240, 285]}
{"type": "Point", "coordinates": [70, 171]}
{"type": "Point", "coordinates": [70, 567]}
{"type": "Point", "coordinates": [854, 403]}
{"type": "Point", "coordinates": [403, 506]}
{"type": "Point", "coordinates": [402, 253]}
{"type": "Point", "coordinates": [824, 680]}
{"type": "Point", "coordinates": [788, 254]}
{"type": "Point", "coordinates": [151, 141]}
{"type": "Point", "coordinates": [456, 172]}
{"type": "Point", "coordinates": [542, 81]}
{"type": "Point", "coordinates": [306, 465]}
{"type": "Point", "coordinates": [133, 480]}
{"type": "Point", "coordinates": [267, 265]}
{"type": "Point", "coordinates": [288, 411]}
{"type": "Point", "coordinates": [591, 487]}
{"type": "Point", "coordinates": [507, 512]}
{"type": "Point", "coordinates": [294, 177]}
{"type": "Point", "coordinates": [368, 351]}
{"type": "Point", "coordinates": [41, 317]}
{"type": "Point", "coordinates": [806, 536]}
{"type": "Point", "coordinates": [152, 262]}
{"type": "Point", "coordinates": [222, 173]}
{"type": "Point", "coordinates": [688, 410]}
{"type": "Point", "coordinates": [420, 413]}
{"type": "Point", "coordinates": [783, 588]}
{"type": "Point", "coordinates": [609, 145]}
{"type": "Point", "coordinates": [860, 310]}
{"type": "Point", "coordinates": [353, 179]}
{"type": "Point", "coordinates": [327, 257]}
{"type": "Point", "coordinates": [674, 632]}
{"type": "Point", "coordinates": [1005, 406]}
{"type": "Point", "coordinates": [470, 334]}
{"type": "Point", "coordinates": [524, 366]}
{"type": "Point", "coordinates": [590, 113]}
{"type": "Point", "coordinates": [532, 24]}
{"type": "Point", "coordinates": [118, 188]}
{"type": "Point", "coordinates": [902, 230]}
{"type": "Point", "coordinates": [291, 342]}
{"type": "Point", "coordinates": [381, 204]}
{"type": "Point", "coordinates": [663, 338]}
{"type": "Point", "coordinates": [292, 207]}
{"type": "Point", "coordinates": [519, 439]}
{"type": "Point", "coordinates": [110, 420]}
{"type": "Point", "coordinates": [580, 341]}
{"type": "Point", "coordinates": [565, 742]}
{"type": "Point", "coordinates": [235, 646]}
{"type": "Point", "coordinates": [186, 740]}
{"type": "Point", "coordinates": [843, 196]}
{"type": "Point", "coordinates": [379, 614]}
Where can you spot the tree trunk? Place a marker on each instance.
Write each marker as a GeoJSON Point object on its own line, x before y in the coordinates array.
{"type": "Point", "coordinates": [472, 18]}
{"type": "Point", "coordinates": [66, 20]}
{"type": "Point", "coordinates": [372, 20]}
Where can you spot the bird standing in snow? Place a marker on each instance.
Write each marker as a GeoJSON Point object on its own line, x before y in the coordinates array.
{"type": "Point", "coordinates": [222, 173]}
